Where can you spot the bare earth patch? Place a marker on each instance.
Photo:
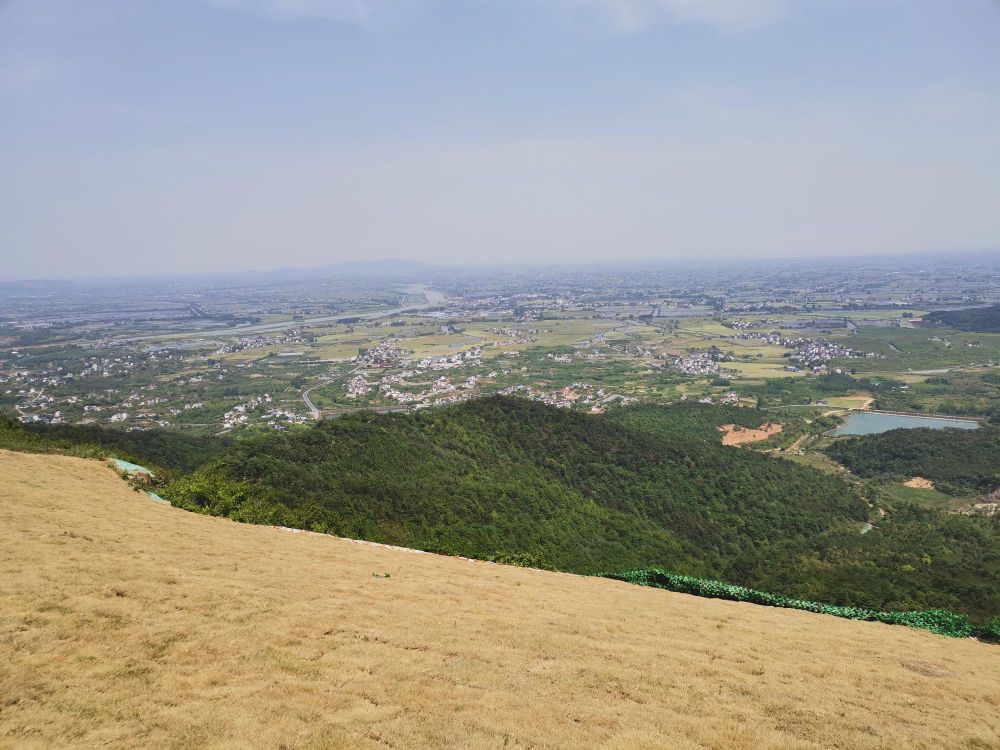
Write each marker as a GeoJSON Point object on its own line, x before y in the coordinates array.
{"type": "Point", "coordinates": [919, 483]}
{"type": "Point", "coordinates": [733, 434]}
{"type": "Point", "coordinates": [126, 623]}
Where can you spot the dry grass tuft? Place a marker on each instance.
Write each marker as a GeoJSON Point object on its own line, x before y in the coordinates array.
{"type": "Point", "coordinates": [124, 623]}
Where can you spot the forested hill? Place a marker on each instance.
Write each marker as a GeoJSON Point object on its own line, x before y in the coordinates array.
{"type": "Point", "coordinates": [513, 479]}
{"type": "Point", "coordinates": [960, 462]}
{"type": "Point", "coordinates": [975, 319]}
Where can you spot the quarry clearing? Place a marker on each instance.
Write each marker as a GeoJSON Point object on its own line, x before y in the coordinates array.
{"type": "Point", "coordinates": [733, 434]}
{"type": "Point", "coordinates": [126, 623]}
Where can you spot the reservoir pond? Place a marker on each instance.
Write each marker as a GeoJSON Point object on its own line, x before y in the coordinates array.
{"type": "Point", "coordinates": [869, 423]}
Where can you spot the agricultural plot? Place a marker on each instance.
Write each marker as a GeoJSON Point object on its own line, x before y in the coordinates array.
{"type": "Point", "coordinates": [760, 370]}
{"type": "Point", "coordinates": [563, 329]}
{"type": "Point", "coordinates": [921, 349]}
{"type": "Point", "coordinates": [923, 495]}
{"type": "Point", "coordinates": [857, 401]}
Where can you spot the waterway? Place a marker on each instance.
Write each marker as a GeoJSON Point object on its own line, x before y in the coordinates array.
{"type": "Point", "coordinates": [869, 423]}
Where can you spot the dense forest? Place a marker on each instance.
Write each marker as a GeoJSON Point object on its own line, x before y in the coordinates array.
{"type": "Point", "coordinates": [915, 558]}
{"type": "Point", "coordinates": [502, 477]}
{"type": "Point", "coordinates": [959, 462]}
{"type": "Point", "coordinates": [972, 319]}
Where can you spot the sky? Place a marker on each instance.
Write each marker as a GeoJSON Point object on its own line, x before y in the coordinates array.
{"type": "Point", "coordinates": [177, 136]}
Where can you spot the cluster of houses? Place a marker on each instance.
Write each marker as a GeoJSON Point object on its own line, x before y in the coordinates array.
{"type": "Point", "coordinates": [442, 391]}
{"type": "Point", "coordinates": [243, 343]}
{"type": "Point", "coordinates": [513, 335]}
{"type": "Point", "coordinates": [274, 417]}
{"type": "Point", "coordinates": [809, 353]}
{"type": "Point", "coordinates": [240, 415]}
{"type": "Point", "coordinates": [726, 399]}
{"type": "Point", "coordinates": [29, 385]}
{"type": "Point", "coordinates": [745, 325]}
{"type": "Point", "coordinates": [468, 358]}
{"type": "Point", "coordinates": [642, 350]}
{"type": "Point", "coordinates": [577, 394]}
{"type": "Point", "coordinates": [384, 354]}
{"type": "Point", "coordinates": [279, 419]}
{"type": "Point", "coordinates": [358, 386]}
{"type": "Point", "coordinates": [705, 362]}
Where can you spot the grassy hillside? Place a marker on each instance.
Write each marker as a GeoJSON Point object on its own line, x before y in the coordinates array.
{"type": "Point", "coordinates": [508, 478]}
{"type": "Point", "coordinates": [125, 623]}
{"type": "Point", "coordinates": [519, 482]}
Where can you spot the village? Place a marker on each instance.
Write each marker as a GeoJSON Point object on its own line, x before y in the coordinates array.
{"type": "Point", "coordinates": [625, 336]}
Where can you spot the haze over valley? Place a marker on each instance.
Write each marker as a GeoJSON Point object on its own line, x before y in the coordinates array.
{"type": "Point", "coordinates": [535, 374]}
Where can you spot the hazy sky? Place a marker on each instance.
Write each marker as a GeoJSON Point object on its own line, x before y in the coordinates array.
{"type": "Point", "coordinates": [177, 135]}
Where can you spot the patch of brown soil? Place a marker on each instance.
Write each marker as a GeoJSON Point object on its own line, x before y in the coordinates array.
{"type": "Point", "coordinates": [919, 483]}
{"type": "Point", "coordinates": [733, 434]}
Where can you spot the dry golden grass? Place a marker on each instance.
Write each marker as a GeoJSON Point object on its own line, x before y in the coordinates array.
{"type": "Point", "coordinates": [124, 623]}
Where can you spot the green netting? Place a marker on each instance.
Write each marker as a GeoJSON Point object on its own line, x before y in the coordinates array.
{"type": "Point", "coordinates": [936, 620]}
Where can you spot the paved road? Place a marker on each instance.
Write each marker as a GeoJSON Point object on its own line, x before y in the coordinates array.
{"type": "Point", "coordinates": [313, 409]}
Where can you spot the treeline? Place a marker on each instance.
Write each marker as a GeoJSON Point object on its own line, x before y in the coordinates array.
{"type": "Point", "coordinates": [959, 462]}
{"type": "Point", "coordinates": [162, 449]}
{"type": "Point", "coordinates": [687, 420]}
{"type": "Point", "coordinates": [973, 319]}
{"type": "Point", "coordinates": [784, 391]}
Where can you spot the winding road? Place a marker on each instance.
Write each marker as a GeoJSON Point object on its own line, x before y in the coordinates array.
{"type": "Point", "coordinates": [313, 409]}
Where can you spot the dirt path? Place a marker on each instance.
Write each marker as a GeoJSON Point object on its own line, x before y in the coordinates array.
{"type": "Point", "coordinates": [797, 445]}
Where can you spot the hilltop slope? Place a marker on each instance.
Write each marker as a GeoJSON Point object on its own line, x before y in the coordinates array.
{"type": "Point", "coordinates": [127, 623]}
{"type": "Point", "coordinates": [504, 476]}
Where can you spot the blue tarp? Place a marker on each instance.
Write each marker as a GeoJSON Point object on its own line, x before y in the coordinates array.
{"type": "Point", "coordinates": [131, 468]}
